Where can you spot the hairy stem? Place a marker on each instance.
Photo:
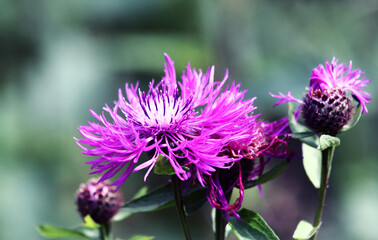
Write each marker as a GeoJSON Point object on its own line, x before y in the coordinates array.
{"type": "Point", "coordinates": [327, 156]}
{"type": "Point", "coordinates": [180, 206]}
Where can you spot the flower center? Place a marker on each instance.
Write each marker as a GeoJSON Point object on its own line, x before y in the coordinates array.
{"type": "Point", "coordinates": [161, 111]}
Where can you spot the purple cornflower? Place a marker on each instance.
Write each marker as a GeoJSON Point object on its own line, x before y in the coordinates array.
{"type": "Point", "coordinates": [326, 107]}
{"type": "Point", "coordinates": [166, 120]}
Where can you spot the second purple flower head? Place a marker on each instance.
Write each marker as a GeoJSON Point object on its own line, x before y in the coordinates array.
{"type": "Point", "coordinates": [328, 104]}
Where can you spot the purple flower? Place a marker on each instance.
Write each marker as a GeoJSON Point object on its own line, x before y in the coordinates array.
{"type": "Point", "coordinates": [326, 107]}
{"type": "Point", "coordinates": [167, 120]}
{"type": "Point", "coordinates": [332, 76]}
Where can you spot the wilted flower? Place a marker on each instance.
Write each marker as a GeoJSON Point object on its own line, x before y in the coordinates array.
{"type": "Point", "coordinates": [327, 108]}
{"type": "Point", "coordinates": [99, 200]}
{"type": "Point", "coordinates": [167, 121]}
{"type": "Point", "coordinates": [253, 145]}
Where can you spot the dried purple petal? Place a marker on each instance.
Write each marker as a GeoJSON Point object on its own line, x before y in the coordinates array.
{"type": "Point", "coordinates": [253, 151]}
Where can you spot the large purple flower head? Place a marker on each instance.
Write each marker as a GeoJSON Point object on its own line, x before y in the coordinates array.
{"type": "Point", "coordinates": [327, 106]}
{"type": "Point", "coordinates": [165, 121]}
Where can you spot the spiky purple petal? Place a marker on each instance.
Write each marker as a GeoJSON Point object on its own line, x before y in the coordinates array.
{"type": "Point", "coordinates": [333, 75]}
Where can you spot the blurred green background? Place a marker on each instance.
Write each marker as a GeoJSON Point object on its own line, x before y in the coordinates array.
{"type": "Point", "coordinates": [60, 58]}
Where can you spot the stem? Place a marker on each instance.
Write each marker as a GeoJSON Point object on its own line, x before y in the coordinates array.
{"type": "Point", "coordinates": [327, 156]}
{"type": "Point", "coordinates": [220, 221]}
{"type": "Point", "coordinates": [105, 231]}
{"type": "Point", "coordinates": [220, 225]}
{"type": "Point", "coordinates": [180, 206]}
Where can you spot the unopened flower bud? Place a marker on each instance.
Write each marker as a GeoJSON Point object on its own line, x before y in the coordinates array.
{"type": "Point", "coordinates": [99, 200]}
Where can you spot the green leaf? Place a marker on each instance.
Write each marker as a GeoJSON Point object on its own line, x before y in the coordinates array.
{"type": "Point", "coordinates": [194, 201]}
{"type": "Point", "coordinates": [354, 120]}
{"type": "Point", "coordinates": [311, 141]}
{"type": "Point", "coordinates": [121, 215]}
{"type": "Point", "coordinates": [50, 231]}
{"type": "Point", "coordinates": [158, 199]}
{"type": "Point", "coordinates": [300, 131]}
{"type": "Point", "coordinates": [304, 230]}
{"type": "Point", "coordinates": [125, 214]}
{"type": "Point", "coordinates": [143, 191]}
{"type": "Point", "coordinates": [89, 232]}
{"type": "Point", "coordinates": [327, 141]}
{"type": "Point", "coordinates": [252, 227]}
{"type": "Point", "coordinates": [312, 162]}
{"type": "Point", "coordinates": [163, 166]}
{"type": "Point", "coordinates": [89, 223]}
{"type": "Point", "coordinates": [274, 172]}
{"type": "Point", "coordinates": [300, 135]}
{"type": "Point", "coordinates": [141, 237]}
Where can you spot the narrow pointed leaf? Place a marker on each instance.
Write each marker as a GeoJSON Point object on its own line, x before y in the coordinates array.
{"type": "Point", "coordinates": [304, 230]}
{"type": "Point", "coordinates": [158, 199]}
{"type": "Point", "coordinates": [50, 231]}
{"type": "Point", "coordinates": [251, 227]}
{"type": "Point", "coordinates": [327, 141]}
{"type": "Point", "coordinates": [125, 214]}
{"type": "Point", "coordinates": [274, 172]}
{"type": "Point", "coordinates": [312, 162]}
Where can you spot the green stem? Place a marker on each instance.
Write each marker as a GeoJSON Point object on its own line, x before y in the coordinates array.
{"type": "Point", "coordinates": [105, 231]}
{"type": "Point", "coordinates": [180, 206]}
{"type": "Point", "coordinates": [220, 221]}
{"type": "Point", "coordinates": [327, 157]}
